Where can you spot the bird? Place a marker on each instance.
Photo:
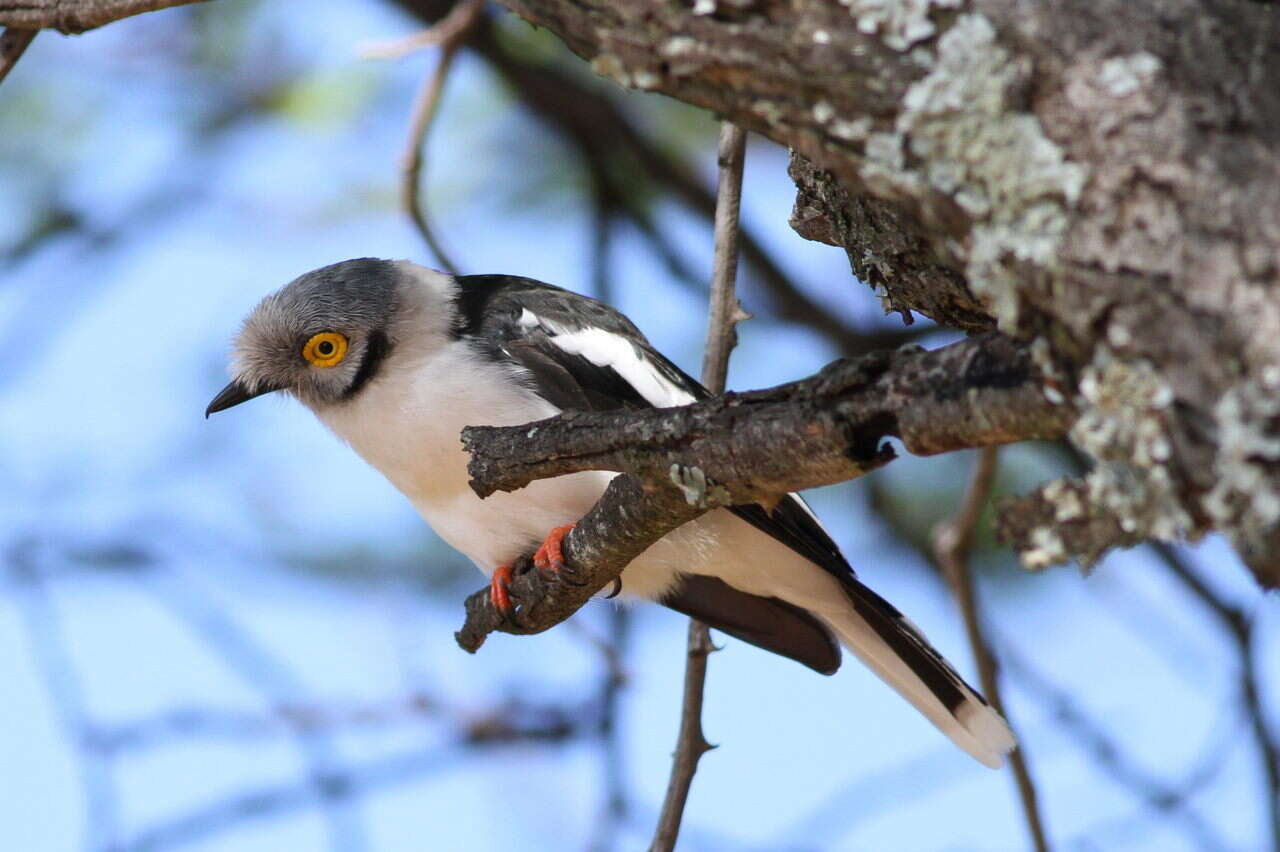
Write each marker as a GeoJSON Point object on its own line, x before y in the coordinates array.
{"type": "Point", "coordinates": [396, 358]}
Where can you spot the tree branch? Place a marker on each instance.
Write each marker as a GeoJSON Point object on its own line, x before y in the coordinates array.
{"type": "Point", "coordinates": [1003, 163]}
{"type": "Point", "coordinates": [13, 43]}
{"type": "Point", "coordinates": [952, 543]}
{"type": "Point", "coordinates": [1059, 522]}
{"type": "Point", "coordinates": [76, 16]}
{"type": "Point", "coordinates": [827, 428]}
{"type": "Point", "coordinates": [748, 448]}
{"type": "Point", "coordinates": [621, 526]}
{"type": "Point", "coordinates": [723, 316]}
{"type": "Point", "coordinates": [450, 34]}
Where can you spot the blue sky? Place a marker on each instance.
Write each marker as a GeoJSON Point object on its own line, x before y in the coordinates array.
{"type": "Point", "coordinates": [138, 538]}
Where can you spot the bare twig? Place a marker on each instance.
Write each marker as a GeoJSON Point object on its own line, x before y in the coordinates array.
{"type": "Point", "coordinates": [261, 670]}
{"type": "Point", "coordinates": [723, 316]}
{"type": "Point", "coordinates": [977, 392]}
{"type": "Point", "coordinates": [1240, 629]}
{"type": "Point", "coordinates": [76, 16]}
{"type": "Point", "coordinates": [691, 743]}
{"type": "Point", "coordinates": [450, 33]}
{"type": "Point", "coordinates": [1109, 755]}
{"type": "Point", "coordinates": [354, 781]}
{"type": "Point", "coordinates": [452, 27]}
{"type": "Point", "coordinates": [67, 694]}
{"type": "Point", "coordinates": [13, 43]}
{"type": "Point", "coordinates": [724, 313]}
{"type": "Point", "coordinates": [952, 542]}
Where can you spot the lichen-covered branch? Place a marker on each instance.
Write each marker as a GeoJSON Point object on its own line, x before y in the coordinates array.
{"type": "Point", "coordinates": [749, 448]}
{"type": "Point", "coordinates": [1058, 522]}
{"type": "Point", "coordinates": [76, 16]}
{"type": "Point", "coordinates": [827, 428]}
{"type": "Point", "coordinates": [1110, 193]}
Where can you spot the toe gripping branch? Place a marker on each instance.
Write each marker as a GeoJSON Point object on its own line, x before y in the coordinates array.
{"type": "Point", "coordinates": [548, 559]}
{"type": "Point", "coordinates": [551, 567]}
{"type": "Point", "coordinates": [522, 600]}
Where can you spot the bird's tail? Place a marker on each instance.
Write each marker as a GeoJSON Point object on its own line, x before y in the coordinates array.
{"type": "Point", "coordinates": [891, 646]}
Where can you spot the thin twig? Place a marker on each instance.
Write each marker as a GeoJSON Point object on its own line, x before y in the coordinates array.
{"type": "Point", "coordinates": [723, 316]}
{"type": "Point", "coordinates": [449, 28]}
{"type": "Point", "coordinates": [272, 678]}
{"type": "Point", "coordinates": [724, 313]}
{"type": "Point", "coordinates": [425, 107]}
{"type": "Point", "coordinates": [76, 16]}
{"type": "Point", "coordinates": [13, 43]}
{"type": "Point", "coordinates": [68, 695]}
{"type": "Point", "coordinates": [952, 542]}
{"type": "Point", "coordinates": [691, 742]}
{"type": "Point", "coordinates": [1108, 754]}
{"type": "Point", "coordinates": [1240, 629]}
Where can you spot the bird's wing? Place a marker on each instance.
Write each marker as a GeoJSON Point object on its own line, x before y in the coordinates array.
{"type": "Point", "coordinates": [581, 354]}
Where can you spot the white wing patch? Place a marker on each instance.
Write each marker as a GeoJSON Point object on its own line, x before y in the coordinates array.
{"type": "Point", "coordinates": [606, 349]}
{"type": "Point", "coordinates": [811, 514]}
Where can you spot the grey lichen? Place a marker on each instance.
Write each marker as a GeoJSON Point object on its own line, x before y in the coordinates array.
{"type": "Point", "coordinates": [678, 46]}
{"type": "Point", "coordinates": [1124, 423]}
{"type": "Point", "coordinates": [698, 491]}
{"type": "Point", "coordinates": [995, 161]}
{"type": "Point", "coordinates": [1132, 493]}
{"type": "Point", "coordinates": [1244, 499]}
{"type": "Point", "coordinates": [852, 130]}
{"type": "Point", "coordinates": [1046, 549]}
{"type": "Point", "coordinates": [1124, 75]}
{"type": "Point", "coordinates": [899, 23]}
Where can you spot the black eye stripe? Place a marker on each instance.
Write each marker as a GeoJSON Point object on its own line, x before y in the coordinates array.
{"type": "Point", "coordinates": [377, 348]}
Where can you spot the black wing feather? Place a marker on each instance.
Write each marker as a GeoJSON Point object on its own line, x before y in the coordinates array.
{"type": "Point", "coordinates": [490, 307]}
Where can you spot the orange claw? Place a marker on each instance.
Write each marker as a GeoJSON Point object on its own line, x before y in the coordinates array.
{"type": "Point", "coordinates": [498, 583]}
{"type": "Point", "coordinates": [549, 558]}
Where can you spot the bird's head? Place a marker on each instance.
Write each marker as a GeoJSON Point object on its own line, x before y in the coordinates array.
{"type": "Point", "coordinates": [324, 336]}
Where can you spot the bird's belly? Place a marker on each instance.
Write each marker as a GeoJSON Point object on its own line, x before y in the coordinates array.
{"type": "Point", "coordinates": [506, 525]}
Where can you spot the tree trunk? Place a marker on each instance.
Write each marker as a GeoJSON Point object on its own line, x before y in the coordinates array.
{"type": "Point", "coordinates": [1098, 178]}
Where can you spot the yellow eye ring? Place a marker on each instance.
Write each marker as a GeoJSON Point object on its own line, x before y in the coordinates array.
{"type": "Point", "coordinates": [326, 349]}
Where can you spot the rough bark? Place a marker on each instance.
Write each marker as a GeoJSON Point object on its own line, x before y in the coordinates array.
{"type": "Point", "coordinates": [1098, 177]}
{"type": "Point", "coordinates": [749, 448]}
{"type": "Point", "coordinates": [76, 16]}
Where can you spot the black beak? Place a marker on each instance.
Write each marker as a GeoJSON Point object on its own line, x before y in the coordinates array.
{"type": "Point", "coordinates": [234, 394]}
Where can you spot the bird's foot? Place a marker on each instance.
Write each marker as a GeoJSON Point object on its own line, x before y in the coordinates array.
{"type": "Point", "coordinates": [549, 558]}
{"type": "Point", "coordinates": [499, 584]}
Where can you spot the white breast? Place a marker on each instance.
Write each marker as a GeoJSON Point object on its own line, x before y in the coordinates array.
{"type": "Point", "coordinates": [407, 423]}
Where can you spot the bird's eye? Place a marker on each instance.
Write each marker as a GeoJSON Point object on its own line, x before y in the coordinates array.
{"type": "Point", "coordinates": [326, 349]}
